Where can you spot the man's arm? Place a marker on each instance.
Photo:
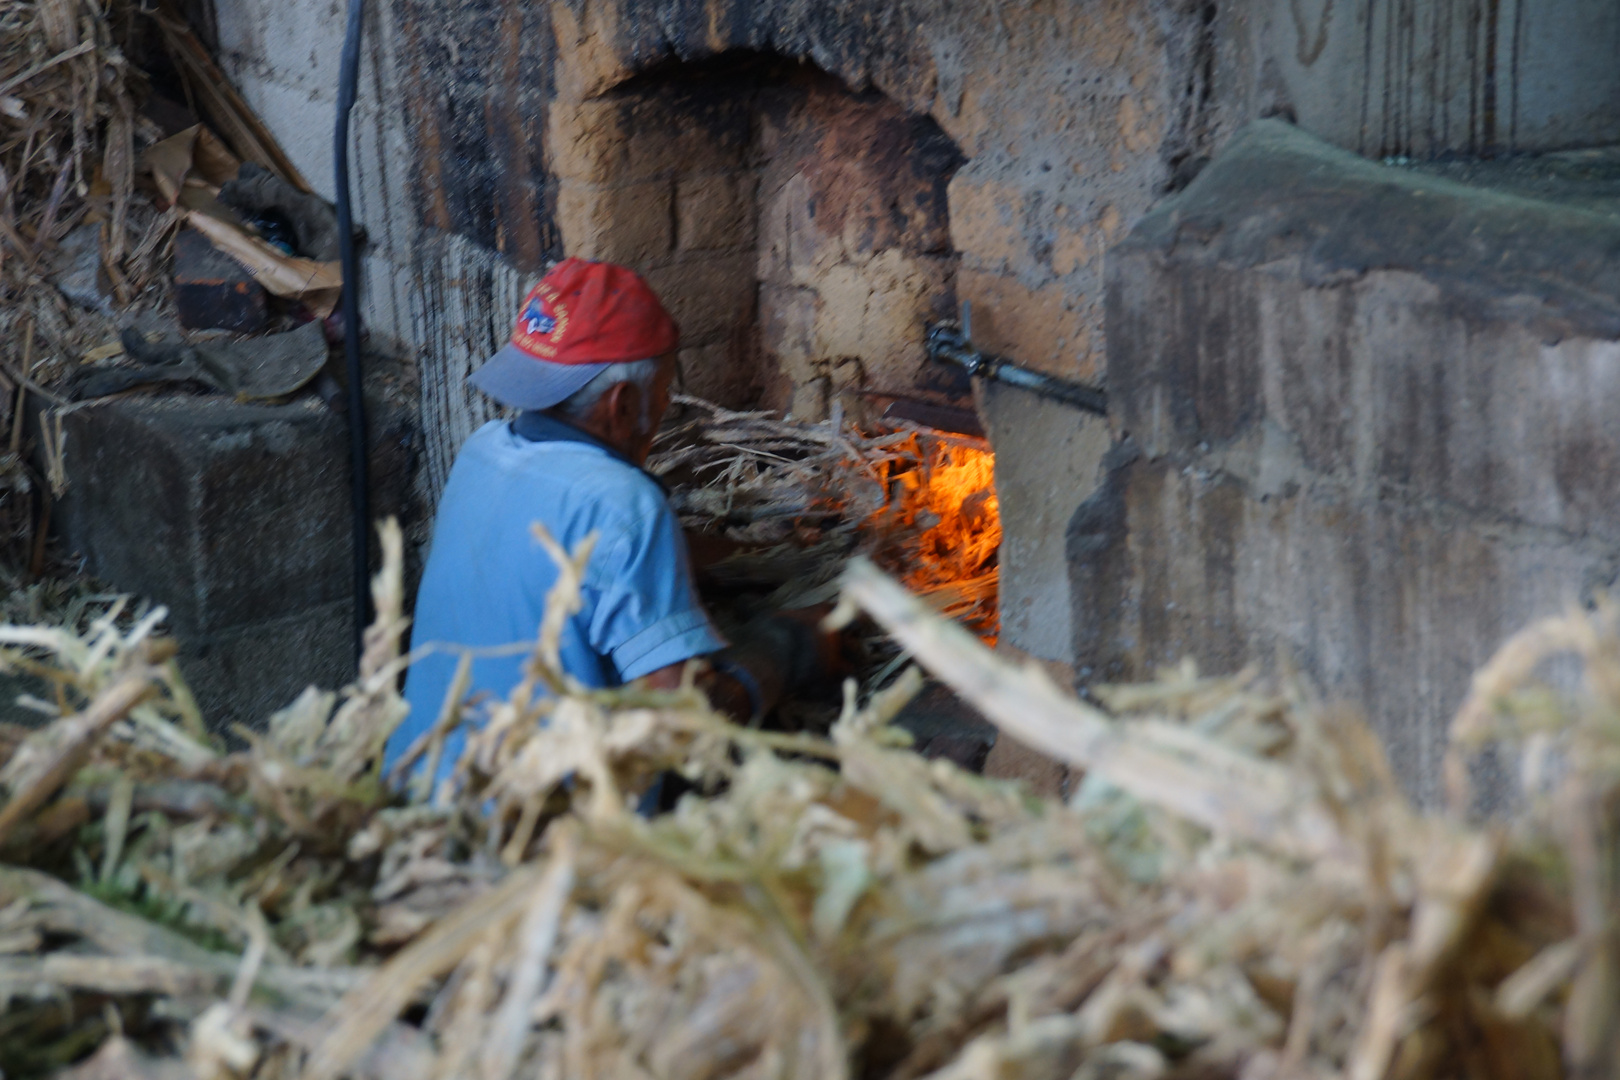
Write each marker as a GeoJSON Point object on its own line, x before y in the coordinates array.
{"type": "Point", "coordinates": [649, 620]}
{"type": "Point", "coordinates": [777, 653]}
{"type": "Point", "coordinates": [666, 678]}
{"type": "Point", "coordinates": [725, 692]}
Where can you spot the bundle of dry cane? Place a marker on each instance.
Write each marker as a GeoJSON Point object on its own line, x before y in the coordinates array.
{"type": "Point", "coordinates": [801, 498]}
{"type": "Point", "coordinates": [67, 129]}
{"type": "Point", "coordinates": [1236, 889]}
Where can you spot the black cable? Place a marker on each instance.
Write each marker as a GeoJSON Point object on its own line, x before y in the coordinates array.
{"type": "Point", "coordinates": [348, 80]}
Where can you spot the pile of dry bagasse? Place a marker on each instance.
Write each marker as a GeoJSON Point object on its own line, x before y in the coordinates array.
{"type": "Point", "coordinates": [1237, 889]}
{"type": "Point", "coordinates": [67, 168]}
{"type": "Point", "coordinates": [86, 228]}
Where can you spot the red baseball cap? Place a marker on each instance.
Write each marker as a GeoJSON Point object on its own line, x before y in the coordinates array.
{"type": "Point", "coordinates": [582, 317]}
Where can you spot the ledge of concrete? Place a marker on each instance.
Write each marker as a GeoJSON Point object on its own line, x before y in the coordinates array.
{"type": "Point", "coordinates": [1047, 462]}
{"type": "Point", "coordinates": [1276, 192]}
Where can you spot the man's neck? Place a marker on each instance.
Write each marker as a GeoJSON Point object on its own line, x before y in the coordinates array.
{"type": "Point", "coordinates": [544, 427]}
{"type": "Point", "coordinates": [590, 426]}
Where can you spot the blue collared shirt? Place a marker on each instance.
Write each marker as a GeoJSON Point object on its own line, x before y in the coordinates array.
{"type": "Point", "coordinates": [486, 578]}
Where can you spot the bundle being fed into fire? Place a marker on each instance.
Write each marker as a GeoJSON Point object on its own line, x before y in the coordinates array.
{"type": "Point", "coordinates": [798, 499]}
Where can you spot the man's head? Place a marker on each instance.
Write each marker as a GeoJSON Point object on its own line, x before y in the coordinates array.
{"type": "Point", "coordinates": [593, 345]}
{"type": "Point", "coordinates": [623, 404]}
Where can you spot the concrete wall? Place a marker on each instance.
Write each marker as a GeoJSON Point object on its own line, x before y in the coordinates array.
{"type": "Point", "coordinates": [1369, 417]}
{"type": "Point", "coordinates": [283, 57]}
{"type": "Point", "coordinates": [1411, 78]}
{"type": "Point", "coordinates": [234, 516]}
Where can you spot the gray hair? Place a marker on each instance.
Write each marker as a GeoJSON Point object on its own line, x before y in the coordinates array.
{"type": "Point", "coordinates": [640, 372]}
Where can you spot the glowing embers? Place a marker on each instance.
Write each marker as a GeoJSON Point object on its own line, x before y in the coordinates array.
{"type": "Point", "coordinates": [949, 530]}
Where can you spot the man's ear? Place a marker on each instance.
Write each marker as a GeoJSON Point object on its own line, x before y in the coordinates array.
{"type": "Point", "coordinates": [622, 408]}
{"type": "Point", "coordinates": [627, 404]}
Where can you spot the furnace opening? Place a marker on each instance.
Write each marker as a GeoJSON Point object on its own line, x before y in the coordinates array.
{"type": "Point", "coordinates": [775, 508]}
{"type": "Point", "coordinates": [799, 231]}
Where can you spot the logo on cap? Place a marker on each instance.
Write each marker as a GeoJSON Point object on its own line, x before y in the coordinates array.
{"type": "Point", "coordinates": [542, 323]}
{"type": "Point", "coordinates": [536, 320]}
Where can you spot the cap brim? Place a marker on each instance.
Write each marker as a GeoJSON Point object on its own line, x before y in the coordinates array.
{"type": "Point", "coordinates": [513, 377]}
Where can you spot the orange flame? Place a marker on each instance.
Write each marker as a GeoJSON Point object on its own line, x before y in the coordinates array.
{"type": "Point", "coordinates": [954, 506]}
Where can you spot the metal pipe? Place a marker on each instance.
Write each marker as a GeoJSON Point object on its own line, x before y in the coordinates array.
{"type": "Point", "coordinates": [348, 81]}
{"type": "Point", "coordinates": [949, 343]}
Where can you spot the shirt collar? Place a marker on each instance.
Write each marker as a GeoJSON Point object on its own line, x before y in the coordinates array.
{"type": "Point", "coordinates": [536, 426]}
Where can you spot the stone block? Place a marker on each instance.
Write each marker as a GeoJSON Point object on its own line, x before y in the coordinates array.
{"type": "Point", "coordinates": [715, 212]}
{"type": "Point", "coordinates": [622, 140]}
{"type": "Point", "coordinates": [587, 142]}
{"type": "Point", "coordinates": [230, 514]}
{"type": "Point", "coordinates": [1386, 380]}
{"type": "Point", "coordinates": [987, 224]}
{"type": "Point", "coordinates": [711, 297]}
{"type": "Point", "coordinates": [697, 133]}
{"type": "Point", "coordinates": [242, 674]}
{"type": "Point", "coordinates": [1447, 340]}
{"type": "Point", "coordinates": [236, 517]}
{"type": "Point", "coordinates": [1048, 329]}
{"type": "Point", "coordinates": [1385, 604]}
{"type": "Point", "coordinates": [589, 64]}
{"type": "Point", "coordinates": [1048, 461]}
{"type": "Point", "coordinates": [630, 224]}
{"type": "Point", "coordinates": [879, 309]}
{"type": "Point", "coordinates": [1079, 243]}
{"type": "Point", "coordinates": [718, 372]}
{"type": "Point", "coordinates": [213, 290]}
{"type": "Point", "coordinates": [1371, 414]}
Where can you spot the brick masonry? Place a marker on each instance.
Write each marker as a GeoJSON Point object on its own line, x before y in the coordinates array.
{"type": "Point", "coordinates": [797, 231]}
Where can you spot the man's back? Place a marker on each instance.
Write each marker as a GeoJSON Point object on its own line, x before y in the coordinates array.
{"type": "Point", "coordinates": [486, 580]}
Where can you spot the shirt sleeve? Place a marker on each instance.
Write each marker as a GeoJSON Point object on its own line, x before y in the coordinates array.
{"type": "Point", "coordinates": [648, 615]}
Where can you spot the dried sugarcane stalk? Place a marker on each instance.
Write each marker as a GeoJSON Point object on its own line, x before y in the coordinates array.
{"type": "Point", "coordinates": [1273, 811]}
{"type": "Point", "coordinates": [76, 735]}
{"type": "Point", "coordinates": [371, 1007]}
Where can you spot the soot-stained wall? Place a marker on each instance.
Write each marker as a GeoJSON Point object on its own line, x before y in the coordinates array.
{"type": "Point", "coordinates": [1066, 121]}
{"type": "Point", "coordinates": [1071, 120]}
